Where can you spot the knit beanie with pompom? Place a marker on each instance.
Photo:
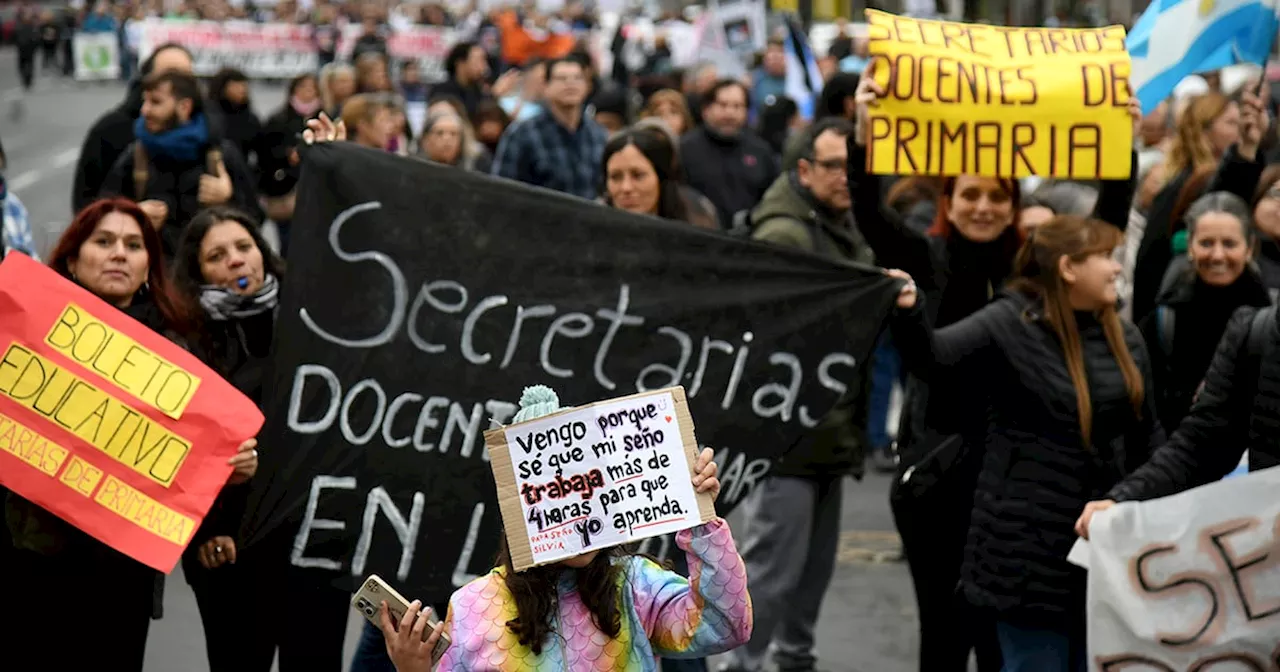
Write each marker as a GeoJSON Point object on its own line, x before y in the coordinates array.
{"type": "Point", "coordinates": [537, 402]}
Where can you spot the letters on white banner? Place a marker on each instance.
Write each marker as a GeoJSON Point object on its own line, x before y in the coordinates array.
{"type": "Point", "coordinates": [1189, 582]}
{"type": "Point", "coordinates": [282, 50]}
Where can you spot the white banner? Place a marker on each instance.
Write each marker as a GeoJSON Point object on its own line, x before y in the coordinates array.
{"type": "Point", "coordinates": [1189, 582]}
{"type": "Point", "coordinates": [282, 50]}
{"type": "Point", "coordinates": [97, 56]}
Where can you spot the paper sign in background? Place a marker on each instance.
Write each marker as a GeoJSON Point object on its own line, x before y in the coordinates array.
{"type": "Point", "coordinates": [995, 101]}
{"type": "Point", "coordinates": [593, 477]}
{"type": "Point", "coordinates": [106, 424]}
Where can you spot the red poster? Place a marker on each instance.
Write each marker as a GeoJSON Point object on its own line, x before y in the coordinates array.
{"type": "Point", "coordinates": [107, 424]}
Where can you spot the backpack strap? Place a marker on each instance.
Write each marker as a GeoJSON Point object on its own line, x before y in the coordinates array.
{"type": "Point", "coordinates": [1257, 345]}
{"type": "Point", "coordinates": [1164, 325]}
{"type": "Point", "coordinates": [140, 169]}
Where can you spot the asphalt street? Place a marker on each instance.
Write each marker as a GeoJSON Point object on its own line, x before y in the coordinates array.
{"type": "Point", "coordinates": [868, 618]}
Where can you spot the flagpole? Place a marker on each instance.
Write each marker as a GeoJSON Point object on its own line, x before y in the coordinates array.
{"type": "Point", "coordinates": [1262, 78]}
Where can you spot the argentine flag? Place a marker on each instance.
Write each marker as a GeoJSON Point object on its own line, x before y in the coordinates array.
{"type": "Point", "coordinates": [804, 82]}
{"type": "Point", "coordinates": [1176, 38]}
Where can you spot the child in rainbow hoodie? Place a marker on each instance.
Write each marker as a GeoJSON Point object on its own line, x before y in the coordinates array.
{"type": "Point", "coordinates": [660, 613]}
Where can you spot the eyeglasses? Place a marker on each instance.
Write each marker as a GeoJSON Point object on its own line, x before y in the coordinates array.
{"type": "Point", "coordinates": [830, 165]}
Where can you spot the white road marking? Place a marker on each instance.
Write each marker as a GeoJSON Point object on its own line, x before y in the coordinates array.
{"type": "Point", "coordinates": [60, 160]}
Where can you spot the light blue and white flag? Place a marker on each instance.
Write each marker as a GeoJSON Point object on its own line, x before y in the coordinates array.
{"type": "Point", "coordinates": [804, 81]}
{"type": "Point", "coordinates": [1176, 38]}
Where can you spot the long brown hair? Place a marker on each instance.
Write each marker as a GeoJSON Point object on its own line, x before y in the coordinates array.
{"type": "Point", "coordinates": [1190, 149]}
{"type": "Point", "coordinates": [535, 595]}
{"type": "Point", "coordinates": [1036, 275]}
{"type": "Point", "coordinates": [1194, 188]}
{"type": "Point", "coordinates": [179, 313]}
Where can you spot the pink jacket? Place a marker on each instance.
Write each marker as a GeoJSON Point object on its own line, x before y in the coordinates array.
{"type": "Point", "coordinates": [663, 615]}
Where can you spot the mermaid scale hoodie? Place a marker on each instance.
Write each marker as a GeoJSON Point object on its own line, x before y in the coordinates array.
{"type": "Point", "coordinates": [664, 615]}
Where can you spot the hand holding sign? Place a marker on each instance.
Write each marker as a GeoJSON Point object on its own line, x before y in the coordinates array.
{"type": "Point", "coordinates": [867, 95]}
{"type": "Point", "coordinates": [322, 129]}
{"type": "Point", "coordinates": [1082, 524]}
{"type": "Point", "coordinates": [907, 296]}
{"type": "Point", "coordinates": [704, 477]}
{"type": "Point", "coordinates": [245, 462]}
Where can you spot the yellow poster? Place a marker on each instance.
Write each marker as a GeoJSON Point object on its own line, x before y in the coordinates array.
{"type": "Point", "coordinates": [998, 101]}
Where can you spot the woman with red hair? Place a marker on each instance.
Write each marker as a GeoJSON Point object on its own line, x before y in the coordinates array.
{"type": "Point", "coordinates": [960, 264]}
{"type": "Point", "coordinates": [111, 250]}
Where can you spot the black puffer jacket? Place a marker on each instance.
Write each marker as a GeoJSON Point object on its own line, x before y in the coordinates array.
{"type": "Point", "coordinates": [1036, 473]}
{"type": "Point", "coordinates": [1238, 408]}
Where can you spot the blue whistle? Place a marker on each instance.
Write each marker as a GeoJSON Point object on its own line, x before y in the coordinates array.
{"type": "Point", "coordinates": [242, 283]}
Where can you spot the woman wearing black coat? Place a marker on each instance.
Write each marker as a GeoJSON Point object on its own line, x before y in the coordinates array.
{"type": "Point", "coordinates": [1066, 414]}
{"type": "Point", "coordinates": [960, 264]}
{"type": "Point", "coordinates": [225, 266]}
{"type": "Point", "coordinates": [1192, 312]}
{"type": "Point", "coordinates": [1235, 148]}
{"type": "Point", "coordinates": [111, 250]}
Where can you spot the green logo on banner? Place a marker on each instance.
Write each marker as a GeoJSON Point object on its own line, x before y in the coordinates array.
{"type": "Point", "coordinates": [96, 57]}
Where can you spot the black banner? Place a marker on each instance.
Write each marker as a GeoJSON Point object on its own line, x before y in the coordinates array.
{"type": "Point", "coordinates": [420, 301]}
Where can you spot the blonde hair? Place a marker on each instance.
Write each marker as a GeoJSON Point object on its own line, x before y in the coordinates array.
{"type": "Point", "coordinates": [1191, 149]}
{"type": "Point", "coordinates": [361, 108]}
{"type": "Point", "coordinates": [1036, 274]}
{"type": "Point", "coordinates": [327, 74]}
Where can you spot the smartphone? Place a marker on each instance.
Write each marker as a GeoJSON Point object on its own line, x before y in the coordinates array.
{"type": "Point", "coordinates": [368, 601]}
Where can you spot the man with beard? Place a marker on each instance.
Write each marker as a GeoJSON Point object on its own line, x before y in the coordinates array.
{"type": "Point", "coordinates": [177, 165]}
{"type": "Point", "coordinates": [113, 132]}
{"type": "Point", "coordinates": [561, 148]}
{"type": "Point", "coordinates": [722, 158]}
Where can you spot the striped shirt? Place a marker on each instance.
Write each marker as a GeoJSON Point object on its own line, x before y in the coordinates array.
{"type": "Point", "coordinates": [17, 228]}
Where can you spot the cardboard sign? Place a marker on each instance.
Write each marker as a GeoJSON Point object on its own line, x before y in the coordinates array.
{"type": "Point", "coordinates": [1188, 582]}
{"type": "Point", "coordinates": [589, 478]}
{"type": "Point", "coordinates": [107, 424]}
{"type": "Point", "coordinates": [995, 101]}
{"type": "Point", "coordinates": [406, 343]}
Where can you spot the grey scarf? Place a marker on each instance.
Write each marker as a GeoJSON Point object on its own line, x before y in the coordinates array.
{"type": "Point", "coordinates": [221, 303]}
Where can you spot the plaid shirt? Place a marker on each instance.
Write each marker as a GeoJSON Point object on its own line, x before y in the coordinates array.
{"type": "Point", "coordinates": [17, 229]}
{"type": "Point", "coordinates": [541, 152]}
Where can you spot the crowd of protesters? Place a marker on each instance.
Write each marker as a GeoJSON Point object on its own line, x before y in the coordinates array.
{"type": "Point", "coordinates": [1060, 345]}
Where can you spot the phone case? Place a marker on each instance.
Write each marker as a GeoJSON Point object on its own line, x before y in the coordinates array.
{"type": "Point", "coordinates": [368, 601]}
